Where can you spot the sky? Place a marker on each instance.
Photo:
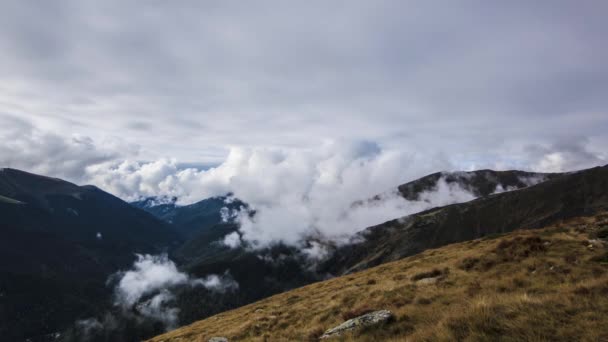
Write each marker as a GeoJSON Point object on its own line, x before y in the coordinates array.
{"type": "Point", "coordinates": [139, 97]}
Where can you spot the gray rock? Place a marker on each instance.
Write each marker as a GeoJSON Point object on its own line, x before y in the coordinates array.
{"type": "Point", "coordinates": [366, 320]}
{"type": "Point", "coordinates": [218, 339]}
{"type": "Point", "coordinates": [428, 281]}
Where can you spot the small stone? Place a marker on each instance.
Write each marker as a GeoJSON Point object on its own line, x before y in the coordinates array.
{"type": "Point", "coordinates": [218, 339]}
{"type": "Point", "coordinates": [428, 281]}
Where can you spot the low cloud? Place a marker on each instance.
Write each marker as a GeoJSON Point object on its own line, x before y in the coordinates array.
{"type": "Point", "coordinates": [297, 194]}
{"type": "Point", "coordinates": [147, 287]}
{"type": "Point", "coordinates": [232, 240]}
{"type": "Point", "coordinates": [219, 283]}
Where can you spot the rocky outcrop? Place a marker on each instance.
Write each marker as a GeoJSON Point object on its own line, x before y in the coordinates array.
{"type": "Point", "coordinates": [372, 318]}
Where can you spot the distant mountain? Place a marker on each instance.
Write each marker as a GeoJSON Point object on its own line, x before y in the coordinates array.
{"type": "Point", "coordinates": [191, 220]}
{"type": "Point", "coordinates": [560, 197]}
{"type": "Point", "coordinates": [479, 183]}
{"type": "Point", "coordinates": [59, 243]}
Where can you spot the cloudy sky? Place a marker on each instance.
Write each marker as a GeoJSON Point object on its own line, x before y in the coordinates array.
{"type": "Point", "coordinates": [127, 94]}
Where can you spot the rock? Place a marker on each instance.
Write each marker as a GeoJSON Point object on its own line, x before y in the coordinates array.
{"type": "Point", "coordinates": [372, 318]}
{"type": "Point", "coordinates": [428, 281]}
{"type": "Point", "coordinates": [218, 339]}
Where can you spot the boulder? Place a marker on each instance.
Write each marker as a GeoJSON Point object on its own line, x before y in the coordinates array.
{"type": "Point", "coordinates": [369, 319]}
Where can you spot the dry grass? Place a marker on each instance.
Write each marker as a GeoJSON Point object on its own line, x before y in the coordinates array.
{"type": "Point", "coordinates": [541, 285]}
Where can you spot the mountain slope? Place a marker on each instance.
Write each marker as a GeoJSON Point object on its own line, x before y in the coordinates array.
{"type": "Point", "coordinates": [536, 285]}
{"type": "Point", "coordinates": [561, 197]}
{"type": "Point", "coordinates": [59, 244]}
{"type": "Point", "coordinates": [480, 183]}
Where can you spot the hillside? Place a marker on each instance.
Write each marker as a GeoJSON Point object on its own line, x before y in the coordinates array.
{"type": "Point", "coordinates": [561, 197]}
{"type": "Point", "coordinates": [548, 284]}
{"type": "Point", "coordinates": [60, 243]}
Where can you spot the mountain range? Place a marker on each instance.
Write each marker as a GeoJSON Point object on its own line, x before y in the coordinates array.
{"type": "Point", "coordinates": [62, 243]}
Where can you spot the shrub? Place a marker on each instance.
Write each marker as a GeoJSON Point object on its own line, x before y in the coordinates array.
{"type": "Point", "coordinates": [602, 233]}
{"type": "Point", "coordinates": [360, 311]}
{"type": "Point", "coordinates": [468, 263]}
{"type": "Point", "coordinates": [314, 335]}
{"type": "Point", "coordinates": [423, 301]}
{"type": "Point", "coordinates": [430, 274]}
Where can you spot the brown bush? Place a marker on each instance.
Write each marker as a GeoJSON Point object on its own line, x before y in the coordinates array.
{"type": "Point", "coordinates": [431, 274]}
{"type": "Point", "coordinates": [360, 311]}
{"type": "Point", "coordinates": [468, 263]}
{"type": "Point", "coordinates": [424, 301]}
{"type": "Point", "coordinates": [519, 248]}
{"type": "Point", "coordinates": [315, 334]}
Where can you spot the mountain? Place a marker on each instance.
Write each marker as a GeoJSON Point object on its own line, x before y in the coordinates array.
{"type": "Point", "coordinates": [193, 219]}
{"type": "Point", "coordinates": [60, 242]}
{"type": "Point", "coordinates": [548, 284]}
{"type": "Point", "coordinates": [479, 183]}
{"type": "Point", "coordinates": [560, 197]}
{"type": "Point", "coordinates": [264, 272]}
{"type": "Point", "coordinates": [64, 241]}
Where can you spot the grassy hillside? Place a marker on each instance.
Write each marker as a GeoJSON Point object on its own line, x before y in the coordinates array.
{"type": "Point", "coordinates": [549, 284]}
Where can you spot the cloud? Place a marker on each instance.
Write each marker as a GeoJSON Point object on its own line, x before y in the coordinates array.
{"type": "Point", "coordinates": [302, 194]}
{"type": "Point", "coordinates": [147, 287]}
{"type": "Point", "coordinates": [159, 308]}
{"type": "Point", "coordinates": [218, 283]}
{"type": "Point", "coordinates": [26, 147]}
{"type": "Point", "coordinates": [232, 240]}
{"type": "Point", "coordinates": [150, 273]}
{"type": "Point", "coordinates": [208, 76]}
{"type": "Point", "coordinates": [297, 193]}
{"type": "Point", "coordinates": [566, 155]}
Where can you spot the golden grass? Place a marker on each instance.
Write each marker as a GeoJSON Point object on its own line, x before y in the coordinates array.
{"type": "Point", "coordinates": [540, 285]}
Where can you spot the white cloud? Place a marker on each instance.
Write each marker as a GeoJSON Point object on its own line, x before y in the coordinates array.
{"type": "Point", "coordinates": [232, 240]}
{"type": "Point", "coordinates": [219, 283]}
{"type": "Point", "coordinates": [573, 153]}
{"type": "Point", "coordinates": [147, 287]}
{"type": "Point", "coordinates": [32, 149]}
{"type": "Point", "coordinates": [149, 274]}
